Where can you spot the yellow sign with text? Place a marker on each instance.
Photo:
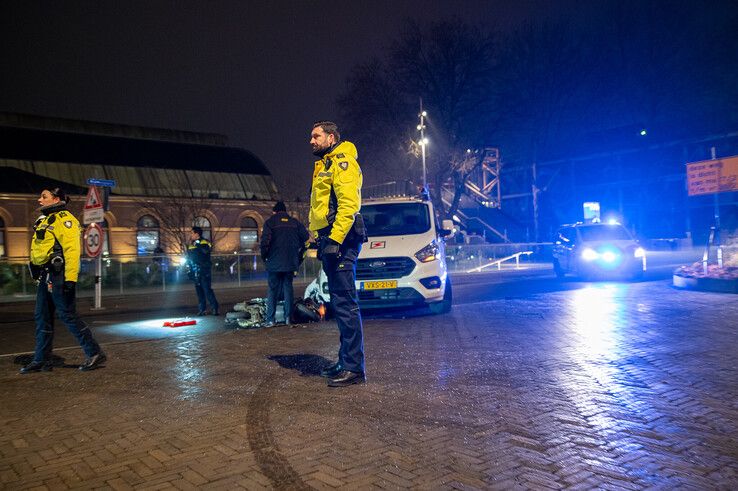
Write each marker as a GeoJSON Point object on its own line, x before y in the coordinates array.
{"type": "Point", "coordinates": [712, 176]}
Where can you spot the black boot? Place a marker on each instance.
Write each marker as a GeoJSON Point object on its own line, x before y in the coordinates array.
{"type": "Point", "coordinates": [37, 366]}
{"type": "Point", "coordinates": [331, 371]}
{"type": "Point", "coordinates": [345, 378]}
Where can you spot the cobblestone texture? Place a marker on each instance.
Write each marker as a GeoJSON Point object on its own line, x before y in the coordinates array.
{"type": "Point", "coordinates": [614, 386]}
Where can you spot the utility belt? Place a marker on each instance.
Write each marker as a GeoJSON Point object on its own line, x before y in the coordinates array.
{"type": "Point", "coordinates": [53, 267]}
{"type": "Point", "coordinates": [356, 235]}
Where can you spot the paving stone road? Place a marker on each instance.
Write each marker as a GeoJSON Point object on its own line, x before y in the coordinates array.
{"type": "Point", "coordinates": [612, 386]}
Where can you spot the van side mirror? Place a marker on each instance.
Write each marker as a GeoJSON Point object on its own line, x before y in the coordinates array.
{"type": "Point", "coordinates": [447, 229]}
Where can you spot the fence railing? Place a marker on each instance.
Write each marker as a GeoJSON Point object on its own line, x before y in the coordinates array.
{"type": "Point", "coordinates": [124, 274]}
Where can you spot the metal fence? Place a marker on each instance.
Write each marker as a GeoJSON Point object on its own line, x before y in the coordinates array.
{"type": "Point", "coordinates": [122, 275]}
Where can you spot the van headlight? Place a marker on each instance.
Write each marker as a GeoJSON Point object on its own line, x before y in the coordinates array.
{"type": "Point", "coordinates": [428, 253]}
{"type": "Point", "coordinates": [639, 252]}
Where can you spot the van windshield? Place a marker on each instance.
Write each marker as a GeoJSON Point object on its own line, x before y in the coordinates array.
{"type": "Point", "coordinates": [395, 219]}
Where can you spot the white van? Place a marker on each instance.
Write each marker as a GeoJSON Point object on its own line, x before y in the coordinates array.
{"type": "Point", "coordinates": [404, 263]}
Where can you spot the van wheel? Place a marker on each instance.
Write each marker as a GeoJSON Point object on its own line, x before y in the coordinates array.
{"type": "Point", "coordinates": [444, 306]}
{"type": "Point", "coordinates": [557, 269]}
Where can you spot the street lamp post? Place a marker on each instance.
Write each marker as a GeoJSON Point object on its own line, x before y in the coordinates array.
{"type": "Point", "coordinates": [423, 140]}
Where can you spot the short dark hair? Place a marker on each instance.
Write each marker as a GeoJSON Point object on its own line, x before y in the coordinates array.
{"type": "Point", "coordinates": [59, 193]}
{"type": "Point", "coordinates": [329, 127]}
{"type": "Point", "coordinates": [197, 230]}
{"type": "Point", "coordinates": [279, 206]}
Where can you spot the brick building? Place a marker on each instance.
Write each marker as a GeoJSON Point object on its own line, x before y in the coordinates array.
{"type": "Point", "coordinates": [166, 181]}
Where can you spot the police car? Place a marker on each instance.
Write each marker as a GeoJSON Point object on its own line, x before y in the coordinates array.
{"type": "Point", "coordinates": [403, 265]}
{"type": "Point", "coordinates": [597, 249]}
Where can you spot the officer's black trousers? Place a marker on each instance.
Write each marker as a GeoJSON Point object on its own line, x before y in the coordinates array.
{"type": "Point", "coordinates": [204, 290]}
{"type": "Point", "coordinates": [341, 273]}
{"type": "Point", "coordinates": [280, 282]}
{"type": "Point", "coordinates": [62, 304]}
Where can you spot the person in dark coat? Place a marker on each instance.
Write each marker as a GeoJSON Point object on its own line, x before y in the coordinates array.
{"type": "Point", "coordinates": [283, 243]}
{"type": "Point", "coordinates": [200, 271]}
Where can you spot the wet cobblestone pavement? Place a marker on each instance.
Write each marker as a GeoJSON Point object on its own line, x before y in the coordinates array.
{"type": "Point", "coordinates": [612, 386]}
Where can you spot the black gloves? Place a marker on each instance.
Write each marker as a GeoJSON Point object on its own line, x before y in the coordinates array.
{"type": "Point", "coordinates": [330, 248]}
{"type": "Point", "coordinates": [69, 287]}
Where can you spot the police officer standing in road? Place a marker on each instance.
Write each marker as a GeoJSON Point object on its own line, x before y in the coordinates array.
{"type": "Point", "coordinates": [55, 258]}
{"type": "Point", "coordinates": [283, 241]}
{"type": "Point", "coordinates": [200, 271]}
{"type": "Point", "coordinates": [335, 202]}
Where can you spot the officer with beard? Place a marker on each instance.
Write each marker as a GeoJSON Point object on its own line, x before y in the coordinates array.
{"type": "Point", "coordinates": [335, 220]}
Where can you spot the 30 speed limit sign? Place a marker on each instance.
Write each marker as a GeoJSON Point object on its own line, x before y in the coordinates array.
{"type": "Point", "coordinates": [93, 240]}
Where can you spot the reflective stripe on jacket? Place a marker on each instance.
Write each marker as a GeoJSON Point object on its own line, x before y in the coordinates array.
{"type": "Point", "coordinates": [198, 253]}
{"type": "Point", "coordinates": [337, 171]}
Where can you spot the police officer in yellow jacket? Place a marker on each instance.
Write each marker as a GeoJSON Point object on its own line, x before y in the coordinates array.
{"type": "Point", "coordinates": [55, 259]}
{"type": "Point", "coordinates": [335, 202]}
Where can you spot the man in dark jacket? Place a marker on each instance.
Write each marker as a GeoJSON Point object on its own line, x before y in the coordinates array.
{"type": "Point", "coordinates": [283, 242]}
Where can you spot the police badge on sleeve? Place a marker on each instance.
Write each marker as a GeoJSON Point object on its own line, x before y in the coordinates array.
{"type": "Point", "coordinates": [68, 224]}
{"type": "Point", "coordinates": [343, 165]}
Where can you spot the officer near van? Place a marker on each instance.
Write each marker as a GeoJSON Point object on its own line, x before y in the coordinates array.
{"type": "Point", "coordinates": [55, 260]}
{"type": "Point", "coordinates": [335, 202]}
{"type": "Point", "coordinates": [283, 242]}
{"type": "Point", "coordinates": [200, 271]}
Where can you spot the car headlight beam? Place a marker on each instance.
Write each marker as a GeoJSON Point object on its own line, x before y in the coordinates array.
{"type": "Point", "coordinates": [589, 254]}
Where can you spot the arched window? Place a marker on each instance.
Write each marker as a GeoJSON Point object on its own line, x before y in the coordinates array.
{"type": "Point", "coordinates": [204, 224]}
{"type": "Point", "coordinates": [147, 235]}
{"type": "Point", "coordinates": [2, 237]}
{"type": "Point", "coordinates": [249, 234]}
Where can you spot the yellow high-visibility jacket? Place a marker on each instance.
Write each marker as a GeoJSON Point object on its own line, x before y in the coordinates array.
{"type": "Point", "coordinates": [63, 227]}
{"type": "Point", "coordinates": [337, 171]}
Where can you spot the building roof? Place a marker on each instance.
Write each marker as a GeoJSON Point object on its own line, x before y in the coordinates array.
{"type": "Point", "coordinates": [19, 181]}
{"type": "Point", "coordinates": [31, 144]}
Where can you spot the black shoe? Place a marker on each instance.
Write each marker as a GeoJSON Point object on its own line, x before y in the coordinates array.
{"type": "Point", "coordinates": [345, 378]}
{"type": "Point", "coordinates": [331, 371]}
{"type": "Point", "coordinates": [215, 312]}
{"type": "Point", "coordinates": [37, 366]}
{"type": "Point", "coordinates": [202, 312]}
{"type": "Point", "coordinates": [93, 362]}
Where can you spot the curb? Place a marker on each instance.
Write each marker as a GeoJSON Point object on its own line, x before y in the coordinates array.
{"type": "Point", "coordinates": [717, 285]}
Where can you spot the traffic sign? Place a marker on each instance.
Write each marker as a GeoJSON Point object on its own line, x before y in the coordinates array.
{"type": "Point", "coordinates": [712, 176]}
{"type": "Point", "coordinates": [93, 211]}
{"type": "Point", "coordinates": [93, 215]}
{"type": "Point", "coordinates": [93, 240]}
{"type": "Point", "coordinates": [93, 199]}
{"type": "Point", "coordinates": [110, 183]}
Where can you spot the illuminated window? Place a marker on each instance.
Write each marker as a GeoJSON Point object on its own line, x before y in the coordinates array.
{"type": "Point", "coordinates": [249, 234]}
{"type": "Point", "coordinates": [147, 235]}
{"type": "Point", "coordinates": [204, 224]}
{"type": "Point", "coordinates": [2, 237]}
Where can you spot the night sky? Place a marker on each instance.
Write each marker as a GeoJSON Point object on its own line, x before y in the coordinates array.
{"type": "Point", "coordinates": [259, 72]}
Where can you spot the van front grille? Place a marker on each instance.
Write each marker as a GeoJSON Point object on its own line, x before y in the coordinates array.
{"type": "Point", "coordinates": [384, 268]}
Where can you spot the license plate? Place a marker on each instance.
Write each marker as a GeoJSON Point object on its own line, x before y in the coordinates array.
{"type": "Point", "coordinates": [378, 285]}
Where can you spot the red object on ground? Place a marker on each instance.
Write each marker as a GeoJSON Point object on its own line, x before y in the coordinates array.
{"type": "Point", "coordinates": [180, 322]}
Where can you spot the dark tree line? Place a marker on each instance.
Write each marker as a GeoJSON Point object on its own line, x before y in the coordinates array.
{"type": "Point", "coordinates": [544, 88]}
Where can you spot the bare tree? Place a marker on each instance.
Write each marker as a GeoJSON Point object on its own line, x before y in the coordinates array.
{"type": "Point", "coordinates": [451, 66]}
{"type": "Point", "coordinates": [178, 206]}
